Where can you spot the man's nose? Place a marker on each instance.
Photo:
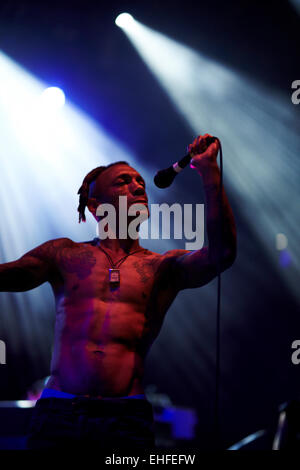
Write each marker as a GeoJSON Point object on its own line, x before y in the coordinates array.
{"type": "Point", "coordinates": [137, 188]}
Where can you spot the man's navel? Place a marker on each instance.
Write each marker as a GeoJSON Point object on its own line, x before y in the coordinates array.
{"type": "Point", "coordinates": [98, 352]}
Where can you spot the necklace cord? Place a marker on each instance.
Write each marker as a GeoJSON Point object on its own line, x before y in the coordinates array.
{"type": "Point", "coordinates": [121, 260]}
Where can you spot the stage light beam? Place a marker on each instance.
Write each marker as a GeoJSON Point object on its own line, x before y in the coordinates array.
{"type": "Point", "coordinates": [53, 98]}
{"type": "Point", "coordinates": [281, 241]}
{"type": "Point", "coordinates": [46, 150]}
{"type": "Point", "coordinates": [257, 127]}
{"type": "Point", "coordinates": [125, 21]}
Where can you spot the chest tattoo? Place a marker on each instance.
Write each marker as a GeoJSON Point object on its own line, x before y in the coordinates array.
{"type": "Point", "coordinates": [80, 263]}
{"type": "Point", "coordinates": [145, 270]}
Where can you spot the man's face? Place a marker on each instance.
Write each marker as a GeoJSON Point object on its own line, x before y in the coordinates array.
{"type": "Point", "coordinates": [121, 180]}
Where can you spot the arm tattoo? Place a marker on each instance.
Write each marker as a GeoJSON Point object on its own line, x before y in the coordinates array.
{"type": "Point", "coordinates": [73, 259]}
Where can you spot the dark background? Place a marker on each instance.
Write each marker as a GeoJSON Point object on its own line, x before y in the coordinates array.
{"type": "Point", "coordinates": [77, 47]}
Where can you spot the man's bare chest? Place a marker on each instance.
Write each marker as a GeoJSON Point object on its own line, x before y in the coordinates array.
{"type": "Point", "coordinates": [85, 274]}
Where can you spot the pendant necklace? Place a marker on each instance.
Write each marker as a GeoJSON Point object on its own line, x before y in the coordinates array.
{"type": "Point", "coordinates": [114, 271]}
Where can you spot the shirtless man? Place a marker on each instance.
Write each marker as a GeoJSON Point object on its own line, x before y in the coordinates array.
{"type": "Point", "coordinates": [104, 330]}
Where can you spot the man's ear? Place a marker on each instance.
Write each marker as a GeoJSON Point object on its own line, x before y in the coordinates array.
{"type": "Point", "coordinates": [92, 205]}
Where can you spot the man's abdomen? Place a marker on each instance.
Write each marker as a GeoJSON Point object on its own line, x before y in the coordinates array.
{"type": "Point", "coordinates": [87, 368]}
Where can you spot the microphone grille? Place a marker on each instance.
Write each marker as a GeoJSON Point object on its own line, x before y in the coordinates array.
{"type": "Point", "coordinates": [164, 178]}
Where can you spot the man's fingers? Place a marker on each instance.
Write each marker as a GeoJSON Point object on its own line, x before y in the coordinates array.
{"type": "Point", "coordinates": [216, 144]}
{"type": "Point", "coordinates": [200, 145]}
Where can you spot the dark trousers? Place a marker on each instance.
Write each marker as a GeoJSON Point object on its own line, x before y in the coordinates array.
{"type": "Point", "coordinates": [91, 423]}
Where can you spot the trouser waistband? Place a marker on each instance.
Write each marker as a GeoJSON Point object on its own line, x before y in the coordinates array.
{"type": "Point", "coordinates": [52, 393]}
{"type": "Point", "coordinates": [95, 406]}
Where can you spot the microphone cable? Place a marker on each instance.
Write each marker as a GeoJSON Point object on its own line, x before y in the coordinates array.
{"type": "Point", "coordinates": [218, 312]}
{"type": "Point", "coordinates": [164, 179]}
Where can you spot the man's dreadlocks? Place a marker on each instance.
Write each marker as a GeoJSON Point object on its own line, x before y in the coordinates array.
{"type": "Point", "coordinates": [84, 189]}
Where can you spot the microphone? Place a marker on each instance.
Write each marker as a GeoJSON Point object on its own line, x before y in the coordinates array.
{"type": "Point", "coordinates": [164, 178]}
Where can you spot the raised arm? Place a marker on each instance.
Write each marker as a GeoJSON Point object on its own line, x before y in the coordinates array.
{"type": "Point", "coordinates": [196, 268]}
{"type": "Point", "coordinates": [31, 270]}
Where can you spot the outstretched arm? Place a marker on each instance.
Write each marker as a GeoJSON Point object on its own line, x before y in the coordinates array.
{"type": "Point", "coordinates": [196, 268]}
{"type": "Point", "coordinates": [31, 270]}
